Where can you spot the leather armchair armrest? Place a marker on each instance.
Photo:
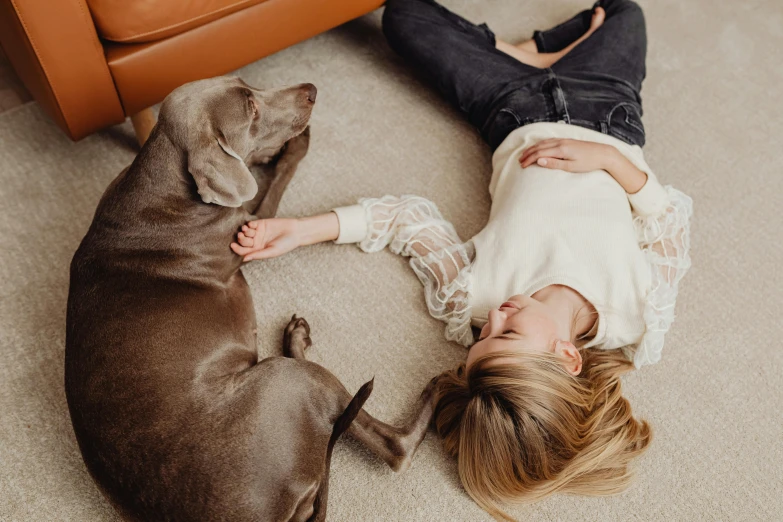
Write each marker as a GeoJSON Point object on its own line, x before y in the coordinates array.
{"type": "Point", "coordinates": [55, 50]}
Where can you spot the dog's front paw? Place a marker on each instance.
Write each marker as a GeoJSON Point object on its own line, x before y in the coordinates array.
{"type": "Point", "coordinates": [296, 338]}
{"type": "Point", "coordinates": [297, 146]}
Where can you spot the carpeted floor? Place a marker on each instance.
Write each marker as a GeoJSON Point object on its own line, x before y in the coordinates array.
{"type": "Point", "coordinates": [714, 71]}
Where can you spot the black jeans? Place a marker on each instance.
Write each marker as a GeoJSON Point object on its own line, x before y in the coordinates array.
{"type": "Point", "coordinates": [596, 85]}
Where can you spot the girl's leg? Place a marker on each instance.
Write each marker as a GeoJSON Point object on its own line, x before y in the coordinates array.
{"type": "Point", "coordinates": [600, 80]}
{"type": "Point", "coordinates": [524, 54]}
{"type": "Point", "coordinates": [457, 56]}
{"type": "Point", "coordinates": [559, 37]}
{"type": "Point", "coordinates": [616, 51]}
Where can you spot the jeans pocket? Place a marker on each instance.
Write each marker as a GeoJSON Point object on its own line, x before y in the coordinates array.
{"type": "Point", "coordinates": [504, 123]}
{"type": "Point", "coordinates": [624, 121]}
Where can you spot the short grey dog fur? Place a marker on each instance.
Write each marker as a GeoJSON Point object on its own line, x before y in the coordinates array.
{"type": "Point", "coordinates": [175, 416]}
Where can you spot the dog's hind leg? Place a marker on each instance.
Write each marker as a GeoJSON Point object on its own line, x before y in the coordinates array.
{"type": "Point", "coordinates": [285, 168]}
{"type": "Point", "coordinates": [395, 445]}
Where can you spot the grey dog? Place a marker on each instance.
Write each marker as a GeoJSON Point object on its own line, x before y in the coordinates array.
{"type": "Point", "coordinates": [175, 416]}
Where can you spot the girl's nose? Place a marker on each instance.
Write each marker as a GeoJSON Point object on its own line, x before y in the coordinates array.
{"type": "Point", "coordinates": [495, 319]}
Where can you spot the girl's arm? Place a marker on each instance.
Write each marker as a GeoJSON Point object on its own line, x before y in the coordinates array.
{"type": "Point", "coordinates": [266, 238]}
{"type": "Point", "coordinates": [410, 226]}
{"type": "Point", "coordinates": [585, 156]}
{"type": "Point", "coordinates": [662, 223]}
{"type": "Point", "coordinates": [413, 226]}
{"type": "Point", "coordinates": [664, 237]}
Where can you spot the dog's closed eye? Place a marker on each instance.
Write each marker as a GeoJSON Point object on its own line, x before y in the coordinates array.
{"type": "Point", "coordinates": [251, 103]}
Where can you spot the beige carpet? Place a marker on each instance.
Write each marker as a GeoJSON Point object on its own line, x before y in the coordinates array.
{"type": "Point", "coordinates": [714, 120]}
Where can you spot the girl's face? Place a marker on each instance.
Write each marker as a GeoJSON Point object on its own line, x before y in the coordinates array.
{"type": "Point", "coordinates": [524, 324]}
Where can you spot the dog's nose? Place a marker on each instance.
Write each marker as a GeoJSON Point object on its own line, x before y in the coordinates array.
{"type": "Point", "coordinates": [311, 92]}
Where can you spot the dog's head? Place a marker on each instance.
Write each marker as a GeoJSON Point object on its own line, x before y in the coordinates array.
{"type": "Point", "coordinates": [224, 125]}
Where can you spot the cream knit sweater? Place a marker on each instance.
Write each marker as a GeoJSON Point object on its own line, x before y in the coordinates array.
{"type": "Point", "coordinates": [624, 253]}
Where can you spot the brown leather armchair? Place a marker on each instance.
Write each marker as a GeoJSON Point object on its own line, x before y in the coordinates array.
{"type": "Point", "coordinates": [91, 63]}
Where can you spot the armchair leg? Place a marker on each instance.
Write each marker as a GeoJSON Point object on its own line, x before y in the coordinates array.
{"type": "Point", "coordinates": [143, 122]}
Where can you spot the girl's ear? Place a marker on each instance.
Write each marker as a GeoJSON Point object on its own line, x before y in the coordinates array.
{"type": "Point", "coordinates": [572, 359]}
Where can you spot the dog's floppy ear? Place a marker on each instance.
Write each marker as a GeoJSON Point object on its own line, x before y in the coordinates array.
{"type": "Point", "coordinates": [220, 173]}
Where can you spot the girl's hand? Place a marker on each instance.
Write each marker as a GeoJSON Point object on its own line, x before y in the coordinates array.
{"type": "Point", "coordinates": [569, 155]}
{"type": "Point", "coordinates": [585, 156]}
{"type": "Point", "coordinates": [266, 238]}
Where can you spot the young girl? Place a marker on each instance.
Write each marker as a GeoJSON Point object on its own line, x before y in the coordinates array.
{"type": "Point", "coordinates": [581, 235]}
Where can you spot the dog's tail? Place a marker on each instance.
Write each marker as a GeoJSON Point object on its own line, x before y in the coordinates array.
{"type": "Point", "coordinates": [340, 426]}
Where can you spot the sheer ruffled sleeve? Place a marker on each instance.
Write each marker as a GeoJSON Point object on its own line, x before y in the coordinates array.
{"type": "Point", "coordinates": [413, 227]}
{"type": "Point", "coordinates": [665, 240]}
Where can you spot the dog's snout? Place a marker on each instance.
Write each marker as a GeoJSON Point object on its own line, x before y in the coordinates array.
{"type": "Point", "coordinates": [311, 92]}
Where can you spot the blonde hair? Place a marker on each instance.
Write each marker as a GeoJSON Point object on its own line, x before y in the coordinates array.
{"type": "Point", "coordinates": [526, 429]}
